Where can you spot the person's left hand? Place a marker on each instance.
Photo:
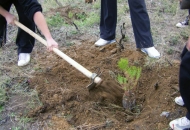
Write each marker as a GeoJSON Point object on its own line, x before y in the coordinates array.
{"type": "Point", "coordinates": [10, 18]}
{"type": "Point", "coordinates": [51, 43]}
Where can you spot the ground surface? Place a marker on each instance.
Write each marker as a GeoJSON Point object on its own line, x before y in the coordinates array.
{"type": "Point", "coordinates": [62, 90]}
{"type": "Point", "coordinates": [63, 102]}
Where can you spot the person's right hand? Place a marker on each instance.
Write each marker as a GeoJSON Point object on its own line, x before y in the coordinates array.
{"type": "Point", "coordinates": [51, 43]}
{"type": "Point", "coordinates": [10, 19]}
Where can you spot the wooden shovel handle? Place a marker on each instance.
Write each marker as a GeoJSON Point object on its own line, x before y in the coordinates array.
{"type": "Point", "coordinates": [61, 54]}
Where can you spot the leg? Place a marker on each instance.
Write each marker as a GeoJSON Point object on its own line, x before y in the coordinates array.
{"type": "Point", "coordinates": [108, 19]}
{"type": "Point", "coordinates": [141, 23]}
{"type": "Point", "coordinates": [24, 41]}
{"type": "Point", "coordinates": [3, 24]}
{"type": "Point", "coordinates": [3, 28]}
{"type": "Point", "coordinates": [141, 28]}
{"type": "Point", "coordinates": [108, 22]}
{"type": "Point", "coordinates": [184, 77]}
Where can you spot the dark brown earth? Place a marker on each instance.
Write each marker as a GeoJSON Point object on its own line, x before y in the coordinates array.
{"type": "Point", "coordinates": [62, 90]}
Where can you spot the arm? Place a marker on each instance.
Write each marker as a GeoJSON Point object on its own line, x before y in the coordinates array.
{"type": "Point", "coordinates": [33, 11]}
{"type": "Point", "coordinates": [9, 17]}
{"type": "Point", "coordinates": [42, 25]}
{"type": "Point", "coordinates": [188, 44]}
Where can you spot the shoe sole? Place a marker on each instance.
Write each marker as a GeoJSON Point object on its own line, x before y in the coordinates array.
{"type": "Point", "coordinates": [144, 51]}
{"type": "Point", "coordinates": [157, 57]}
{"type": "Point", "coordinates": [106, 43]}
{"type": "Point", "coordinates": [182, 26]}
{"type": "Point", "coordinates": [24, 64]}
{"type": "Point", "coordinates": [113, 41]}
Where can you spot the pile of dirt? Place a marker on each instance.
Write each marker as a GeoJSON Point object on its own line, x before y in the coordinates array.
{"type": "Point", "coordinates": [62, 90]}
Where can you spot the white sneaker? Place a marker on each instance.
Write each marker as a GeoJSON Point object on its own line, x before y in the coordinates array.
{"type": "Point", "coordinates": [183, 24]}
{"type": "Point", "coordinates": [179, 101]}
{"type": "Point", "coordinates": [151, 52]}
{"type": "Point", "coordinates": [24, 59]}
{"type": "Point", "coordinates": [180, 124]}
{"type": "Point", "coordinates": [102, 42]}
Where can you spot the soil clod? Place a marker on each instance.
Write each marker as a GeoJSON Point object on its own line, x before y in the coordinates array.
{"type": "Point", "coordinates": [108, 91]}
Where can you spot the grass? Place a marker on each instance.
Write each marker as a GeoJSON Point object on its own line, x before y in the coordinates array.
{"type": "Point", "coordinates": [20, 121]}
{"type": "Point", "coordinates": [184, 34]}
{"type": "Point", "coordinates": [48, 4]}
{"type": "Point", "coordinates": [174, 40]}
{"type": "Point", "coordinates": [96, 5]}
{"type": "Point", "coordinates": [3, 96]}
{"type": "Point", "coordinates": [91, 20]}
{"type": "Point", "coordinates": [1, 108]}
{"type": "Point", "coordinates": [20, 96]}
{"type": "Point", "coordinates": [55, 21]}
{"type": "Point", "coordinates": [81, 16]}
{"type": "Point", "coordinates": [25, 120]}
{"type": "Point", "coordinates": [16, 128]}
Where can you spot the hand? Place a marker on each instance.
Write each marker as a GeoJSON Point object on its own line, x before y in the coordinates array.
{"type": "Point", "coordinates": [10, 19]}
{"type": "Point", "coordinates": [188, 44]}
{"type": "Point", "coordinates": [51, 43]}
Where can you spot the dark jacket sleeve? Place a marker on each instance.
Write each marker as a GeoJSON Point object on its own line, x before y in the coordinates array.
{"type": "Point", "coordinates": [30, 7]}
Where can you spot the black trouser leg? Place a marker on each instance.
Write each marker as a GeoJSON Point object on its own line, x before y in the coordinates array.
{"type": "Point", "coordinates": [3, 24]}
{"type": "Point", "coordinates": [184, 79]}
{"type": "Point", "coordinates": [3, 31]}
{"type": "Point", "coordinates": [24, 41]}
{"type": "Point", "coordinates": [141, 23]}
{"type": "Point", "coordinates": [108, 19]}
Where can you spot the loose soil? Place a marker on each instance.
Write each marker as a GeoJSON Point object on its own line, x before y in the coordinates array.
{"type": "Point", "coordinates": [62, 90]}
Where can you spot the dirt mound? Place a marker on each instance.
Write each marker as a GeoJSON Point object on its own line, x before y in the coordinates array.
{"type": "Point", "coordinates": [62, 90]}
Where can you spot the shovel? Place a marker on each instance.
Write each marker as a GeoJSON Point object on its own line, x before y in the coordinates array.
{"type": "Point", "coordinates": [93, 76]}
